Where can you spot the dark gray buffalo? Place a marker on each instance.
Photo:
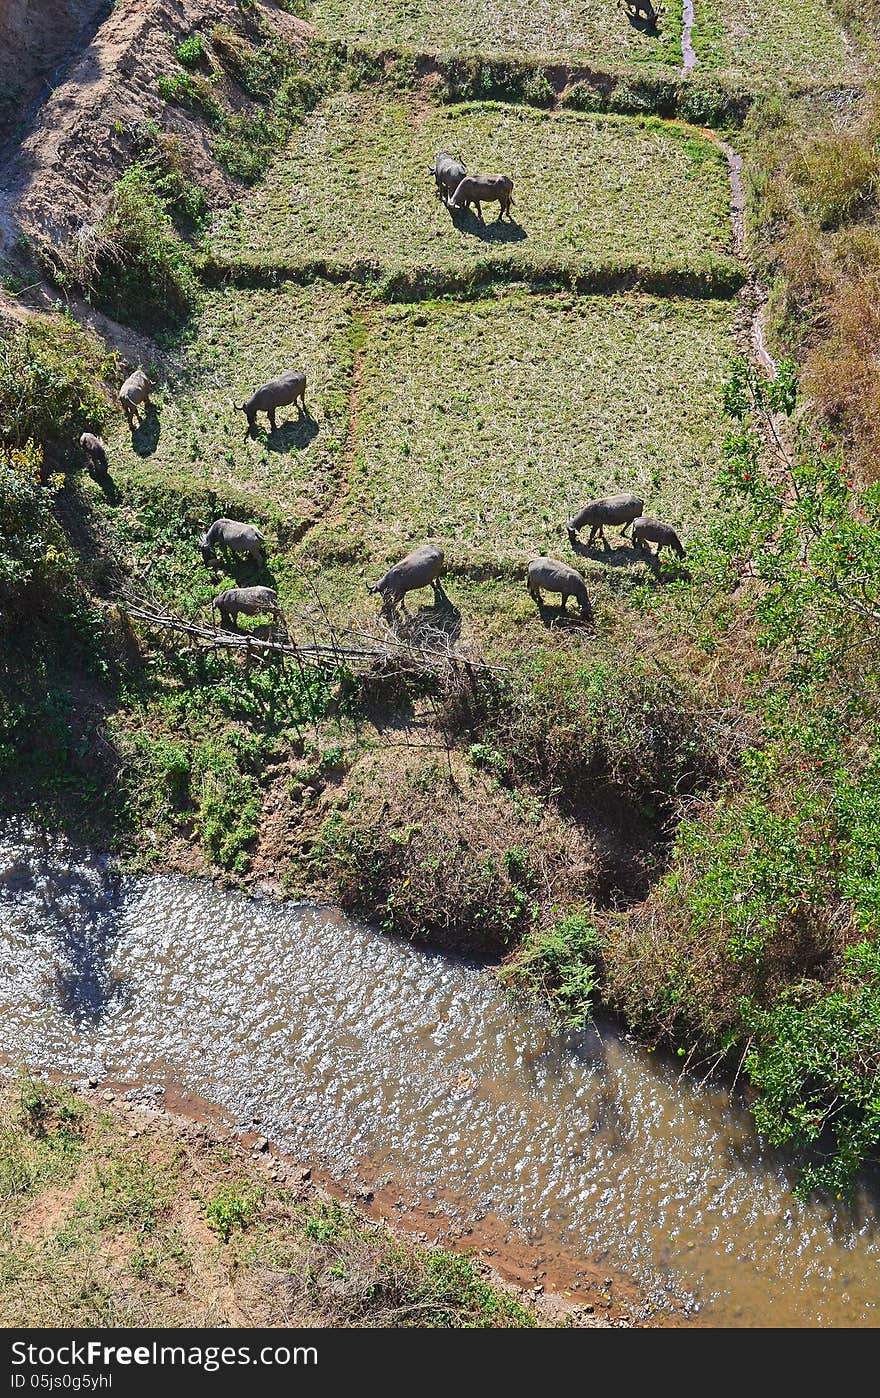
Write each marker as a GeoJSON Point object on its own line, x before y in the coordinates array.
{"type": "Point", "coordinates": [550, 575]}
{"type": "Point", "coordinates": [233, 537]}
{"type": "Point", "coordinates": [647, 531]}
{"type": "Point", "coordinates": [611, 509]}
{"type": "Point", "coordinates": [448, 174]}
{"type": "Point", "coordinates": [484, 189]}
{"type": "Point", "coordinates": [251, 601]}
{"type": "Point", "coordinates": [421, 568]}
{"type": "Point", "coordinates": [289, 387]}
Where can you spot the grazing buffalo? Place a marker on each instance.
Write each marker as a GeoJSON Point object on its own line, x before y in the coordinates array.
{"type": "Point", "coordinates": [647, 531]}
{"type": "Point", "coordinates": [612, 509]}
{"type": "Point", "coordinates": [289, 387]}
{"type": "Point", "coordinates": [550, 575]}
{"type": "Point", "coordinates": [484, 189]}
{"type": "Point", "coordinates": [252, 601]}
{"type": "Point", "coordinates": [420, 568]}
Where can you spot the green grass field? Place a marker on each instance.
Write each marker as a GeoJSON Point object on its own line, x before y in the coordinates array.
{"type": "Point", "coordinates": [197, 440]}
{"type": "Point", "coordinates": [590, 192]}
{"type": "Point", "coordinates": [486, 425]}
{"type": "Point", "coordinates": [763, 41]}
{"type": "Point", "coordinates": [591, 29]}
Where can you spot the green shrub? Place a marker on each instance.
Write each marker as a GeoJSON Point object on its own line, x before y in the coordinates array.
{"type": "Point", "coordinates": [50, 387]}
{"type": "Point", "coordinates": [561, 962]}
{"type": "Point", "coordinates": [537, 91]}
{"type": "Point", "coordinates": [815, 1062]}
{"type": "Point", "coordinates": [194, 91]}
{"type": "Point", "coordinates": [228, 805]}
{"type": "Point", "coordinates": [704, 104]}
{"type": "Point", "coordinates": [190, 52]}
{"type": "Point", "coordinates": [32, 546]}
{"type": "Point", "coordinates": [232, 1208]}
{"type": "Point", "coordinates": [137, 266]}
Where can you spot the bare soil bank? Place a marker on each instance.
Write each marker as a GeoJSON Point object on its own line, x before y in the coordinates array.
{"type": "Point", "coordinates": [185, 1156]}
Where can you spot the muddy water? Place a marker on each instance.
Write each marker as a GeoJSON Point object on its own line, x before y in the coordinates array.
{"type": "Point", "coordinates": [351, 1046]}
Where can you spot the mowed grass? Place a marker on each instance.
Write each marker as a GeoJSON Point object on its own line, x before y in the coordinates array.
{"type": "Point", "coordinates": [484, 426]}
{"type": "Point", "coordinates": [197, 441]}
{"type": "Point", "coordinates": [589, 29]}
{"type": "Point", "coordinates": [355, 188]}
{"type": "Point", "coordinates": [771, 42]}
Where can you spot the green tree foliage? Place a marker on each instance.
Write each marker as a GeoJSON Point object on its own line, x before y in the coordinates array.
{"type": "Point", "coordinates": [32, 546]}
{"type": "Point", "coordinates": [801, 527]}
{"type": "Point", "coordinates": [50, 387]}
{"type": "Point", "coordinates": [817, 1067]}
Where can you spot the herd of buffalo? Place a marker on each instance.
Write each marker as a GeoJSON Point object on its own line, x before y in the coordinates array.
{"type": "Point", "coordinates": [424, 565]}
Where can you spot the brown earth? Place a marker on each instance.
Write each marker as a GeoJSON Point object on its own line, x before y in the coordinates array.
{"type": "Point", "coordinates": [56, 181]}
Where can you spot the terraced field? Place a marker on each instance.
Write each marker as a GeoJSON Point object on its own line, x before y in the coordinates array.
{"type": "Point", "coordinates": [485, 426]}
{"type": "Point", "coordinates": [198, 441]}
{"type": "Point", "coordinates": [752, 40]}
{"type": "Point", "coordinates": [600, 195]}
{"type": "Point", "coordinates": [766, 42]}
{"type": "Point", "coordinates": [590, 28]}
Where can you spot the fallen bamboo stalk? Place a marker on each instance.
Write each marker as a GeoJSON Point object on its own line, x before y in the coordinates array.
{"type": "Point", "coordinates": [341, 652]}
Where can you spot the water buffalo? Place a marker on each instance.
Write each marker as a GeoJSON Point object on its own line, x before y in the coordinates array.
{"type": "Point", "coordinates": [96, 452]}
{"type": "Point", "coordinates": [134, 393]}
{"type": "Point", "coordinates": [484, 189]}
{"type": "Point", "coordinates": [229, 534]}
{"type": "Point", "coordinates": [419, 569]}
{"type": "Point", "coordinates": [250, 600]}
{"type": "Point", "coordinates": [612, 509]}
{"type": "Point", "coordinates": [647, 531]}
{"type": "Point", "coordinates": [448, 174]}
{"type": "Point", "coordinates": [289, 387]}
{"type": "Point", "coordinates": [550, 575]}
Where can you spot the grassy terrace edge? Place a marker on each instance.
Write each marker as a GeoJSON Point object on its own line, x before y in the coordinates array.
{"type": "Point", "coordinates": [709, 96]}
{"type": "Point", "coordinates": [718, 278]}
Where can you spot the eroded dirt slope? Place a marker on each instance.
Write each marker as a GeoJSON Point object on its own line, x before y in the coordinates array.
{"type": "Point", "coordinates": [83, 136]}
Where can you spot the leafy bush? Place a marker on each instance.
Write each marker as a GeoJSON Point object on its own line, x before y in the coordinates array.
{"type": "Point", "coordinates": [50, 387]}
{"type": "Point", "coordinates": [582, 97]}
{"type": "Point", "coordinates": [32, 546]}
{"type": "Point", "coordinates": [815, 1062]}
{"type": "Point", "coordinates": [232, 1208]}
{"type": "Point", "coordinates": [561, 962]}
{"type": "Point", "coordinates": [190, 52]}
{"type": "Point", "coordinates": [801, 529]}
{"type": "Point", "coordinates": [228, 805]}
{"type": "Point", "coordinates": [134, 263]}
{"type": "Point", "coordinates": [193, 91]}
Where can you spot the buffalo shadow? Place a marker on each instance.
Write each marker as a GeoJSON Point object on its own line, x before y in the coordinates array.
{"type": "Point", "coordinates": [145, 437]}
{"type": "Point", "coordinates": [431, 626]}
{"type": "Point", "coordinates": [497, 231]}
{"type": "Point", "coordinates": [107, 485]}
{"type": "Point", "coordinates": [626, 556]}
{"type": "Point", "coordinates": [560, 616]}
{"type": "Point", "coordinates": [294, 435]}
